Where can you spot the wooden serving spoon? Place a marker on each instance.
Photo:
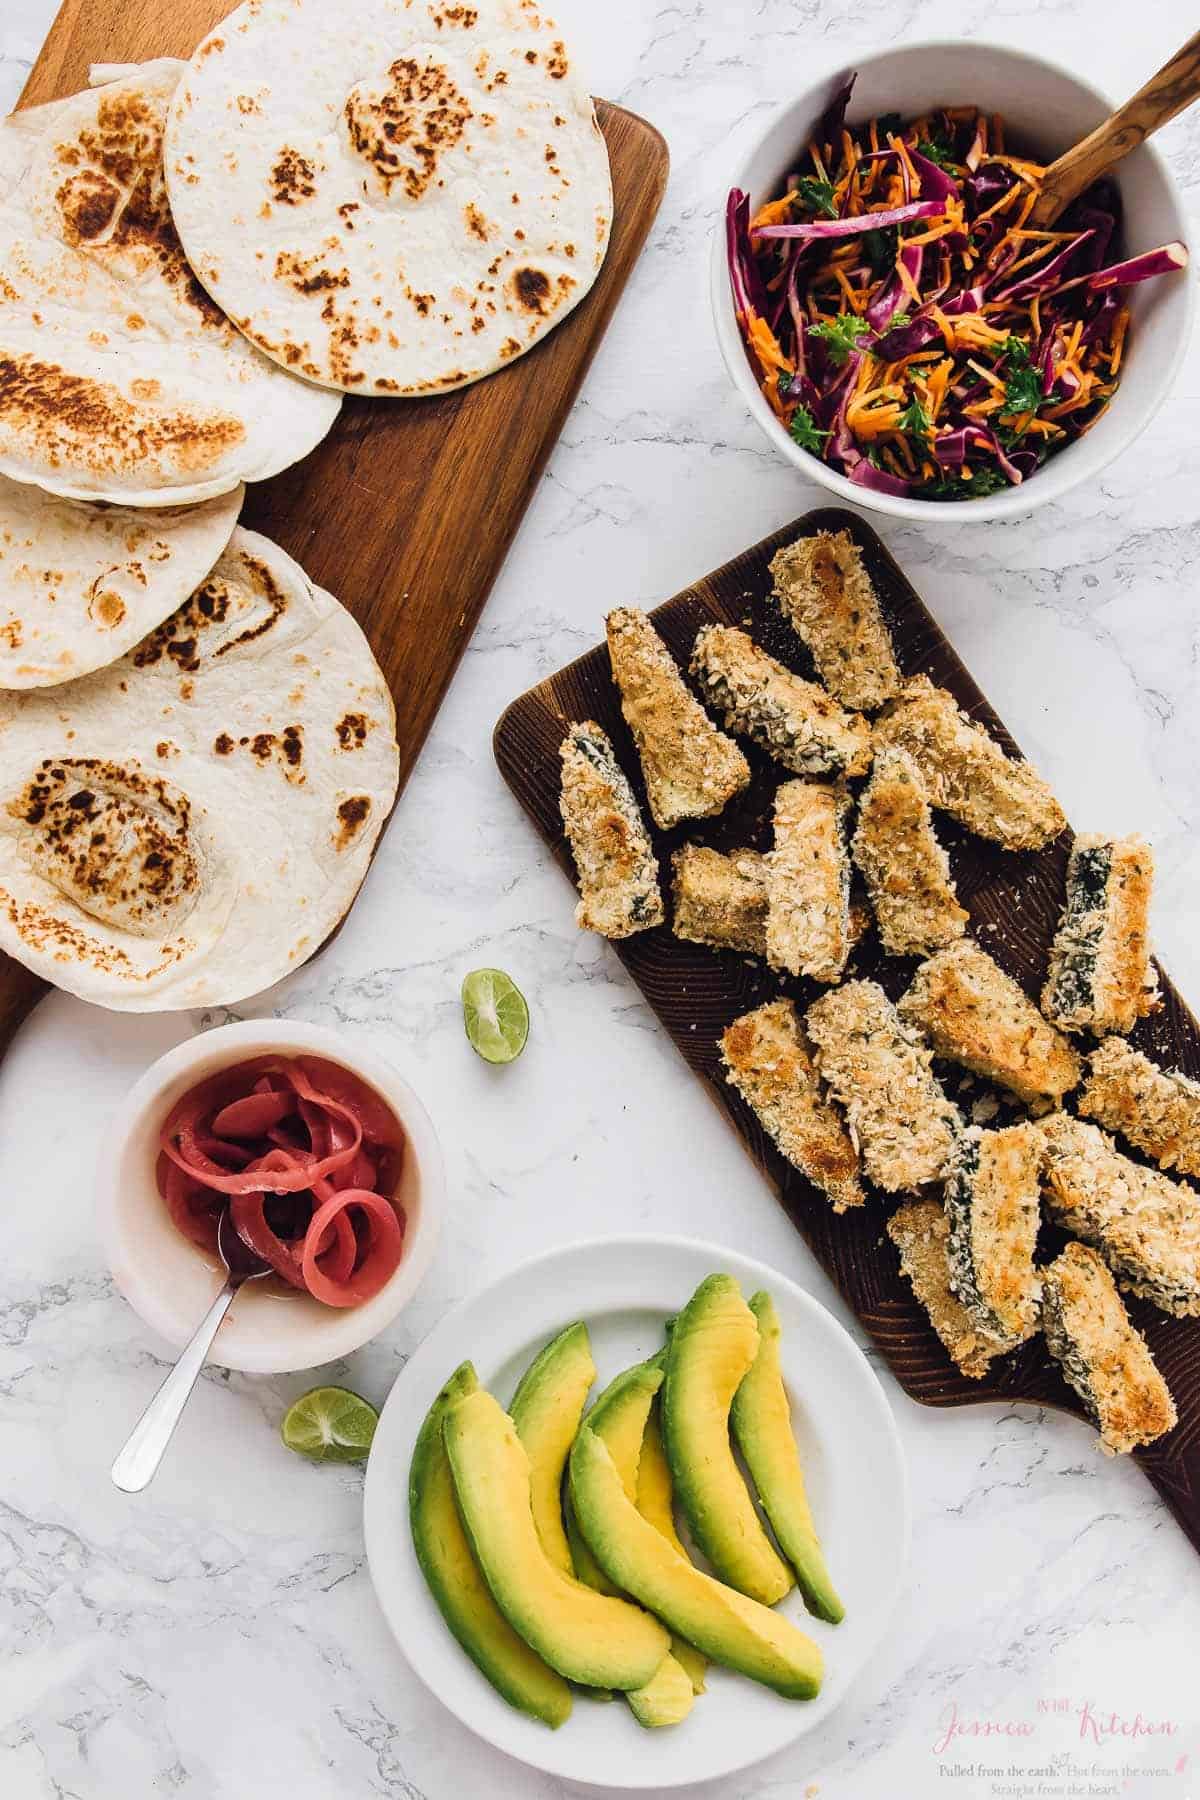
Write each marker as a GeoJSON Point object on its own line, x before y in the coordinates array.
{"type": "Point", "coordinates": [1175, 86]}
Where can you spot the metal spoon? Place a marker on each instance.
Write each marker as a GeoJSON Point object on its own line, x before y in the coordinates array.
{"type": "Point", "coordinates": [138, 1461]}
{"type": "Point", "coordinates": [1175, 86]}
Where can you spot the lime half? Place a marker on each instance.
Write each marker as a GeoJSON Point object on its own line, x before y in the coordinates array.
{"type": "Point", "coordinates": [330, 1424]}
{"type": "Point", "coordinates": [495, 1015]}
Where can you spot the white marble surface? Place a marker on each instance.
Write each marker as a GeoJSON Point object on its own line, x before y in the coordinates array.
{"type": "Point", "coordinates": [218, 1638]}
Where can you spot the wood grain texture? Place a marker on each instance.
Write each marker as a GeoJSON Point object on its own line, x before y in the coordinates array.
{"type": "Point", "coordinates": [406, 511]}
{"type": "Point", "coordinates": [1166, 93]}
{"type": "Point", "coordinates": [1014, 902]}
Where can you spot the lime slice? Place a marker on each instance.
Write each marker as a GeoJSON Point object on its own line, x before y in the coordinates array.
{"type": "Point", "coordinates": [330, 1424]}
{"type": "Point", "coordinates": [495, 1015]}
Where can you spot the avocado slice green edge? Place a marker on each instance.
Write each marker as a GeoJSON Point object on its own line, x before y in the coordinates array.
{"type": "Point", "coordinates": [588, 1637]}
{"type": "Point", "coordinates": [546, 1410]}
{"type": "Point", "coordinates": [456, 1582]}
{"type": "Point", "coordinates": [762, 1424]}
{"type": "Point", "coordinates": [619, 1415]}
{"type": "Point", "coordinates": [712, 1346]}
{"type": "Point", "coordinates": [726, 1625]}
{"type": "Point", "coordinates": [654, 1500]}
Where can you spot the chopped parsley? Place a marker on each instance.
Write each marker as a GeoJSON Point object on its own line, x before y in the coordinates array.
{"type": "Point", "coordinates": [817, 196]}
{"type": "Point", "coordinates": [915, 420]}
{"type": "Point", "coordinates": [936, 150]}
{"type": "Point", "coordinates": [978, 484]}
{"type": "Point", "coordinates": [839, 335]}
{"type": "Point", "coordinates": [1022, 382]}
{"type": "Point", "coordinates": [803, 428]}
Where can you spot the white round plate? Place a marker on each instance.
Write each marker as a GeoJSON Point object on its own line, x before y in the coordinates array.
{"type": "Point", "coordinates": [626, 1288]}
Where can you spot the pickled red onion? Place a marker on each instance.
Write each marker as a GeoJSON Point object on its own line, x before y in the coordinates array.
{"type": "Point", "coordinates": [298, 1150]}
{"type": "Point", "coordinates": [384, 1247]}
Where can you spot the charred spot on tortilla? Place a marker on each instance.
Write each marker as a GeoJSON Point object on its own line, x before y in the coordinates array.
{"type": "Point", "coordinates": [213, 603]}
{"type": "Point", "coordinates": [56, 411]}
{"type": "Point", "coordinates": [401, 130]}
{"type": "Point", "coordinates": [477, 224]}
{"type": "Point", "coordinates": [87, 203]}
{"type": "Point", "coordinates": [119, 194]}
{"type": "Point", "coordinates": [113, 840]}
{"type": "Point", "coordinates": [531, 290]}
{"type": "Point", "coordinates": [107, 609]}
{"type": "Point", "coordinates": [293, 178]}
{"type": "Point", "coordinates": [56, 938]}
{"type": "Point", "coordinates": [352, 731]}
{"type": "Point", "coordinates": [307, 274]}
{"type": "Point", "coordinates": [351, 815]}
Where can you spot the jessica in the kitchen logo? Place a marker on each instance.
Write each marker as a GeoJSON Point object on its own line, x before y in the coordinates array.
{"type": "Point", "coordinates": [1088, 1723]}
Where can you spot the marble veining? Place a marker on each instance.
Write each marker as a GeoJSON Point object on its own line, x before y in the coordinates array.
{"type": "Point", "coordinates": [218, 1639]}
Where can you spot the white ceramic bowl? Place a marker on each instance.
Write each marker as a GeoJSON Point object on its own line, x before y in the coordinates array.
{"type": "Point", "coordinates": [170, 1283]}
{"type": "Point", "coordinates": [1046, 109]}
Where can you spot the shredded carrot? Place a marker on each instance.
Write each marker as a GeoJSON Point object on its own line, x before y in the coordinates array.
{"type": "Point", "coordinates": [908, 284]}
{"type": "Point", "coordinates": [774, 212]}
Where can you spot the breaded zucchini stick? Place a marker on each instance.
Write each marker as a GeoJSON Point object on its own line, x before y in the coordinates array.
{"type": "Point", "coordinates": [616, 864]}
{"type": "Point", "coordinates": [906, 870]}
{"type": "Point", "coordinates": [691, 768]}
{"type": "Point", "coordinates": [808, 881]}
{"type": "Point", "coordinates": [974, 1014]}
{"type": "Point", "coordinates": [720, 900]}
{"type": "Point", "coordinates": [1158, 1110]}
{"type": "Point", "coordinates": [1100, 977]}
{"type": "Point", "coordinates": [993, 1204]}
{"type": "Point", "coordinates": [823, 588]}
{"type": "Point", "coordinates": [768, 1063]}
{"type": "Point", "coordinates": [921, 1232]}
{"type": "Point", "coordinates": [1105, 1359]}
{"type": "Point", "coordinates": [965, 771]}
{"type": "Point", "coordinates": [879, 1071]}
{"type": "Point", "coordinates": [1145, 1226]}
{"type": "Point", "coordinates": [794, 720]}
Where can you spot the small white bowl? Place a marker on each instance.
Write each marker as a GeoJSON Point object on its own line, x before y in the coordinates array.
{"type": "Point", "coordinates": [1046, 109]}
{"type": "Point", "coordinates": [170, 1283]}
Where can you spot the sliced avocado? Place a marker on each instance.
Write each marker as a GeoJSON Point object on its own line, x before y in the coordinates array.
{"type": "Point", "coordinates": [713, 1343]}
{"type": "Point", "coordinates": [726, 1625]}
{"type": "Point", "coordinates": [762, 1425]}
{"type": "Point", "coordinates": [654, 1500]}
{"type": "Point", "coordinates": [667, 1698]}
{"type": "Point", "coordinates": [546, 1411]}
{"type": "Point", "coordinates": [584, 1563]}
{"type": "Point", "coordinates": [619, 1416]}
{"type": "Point", "coordinates": [455, 1580]}
{"type": "Point", "coordinates": [587, 1637]}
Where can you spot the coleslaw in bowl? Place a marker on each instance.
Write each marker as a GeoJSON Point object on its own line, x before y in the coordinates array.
{"type": "Point", "coordinates": [900, 330]}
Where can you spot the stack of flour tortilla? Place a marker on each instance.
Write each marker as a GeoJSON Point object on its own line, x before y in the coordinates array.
{"type": "Point", "coordinates": [197, 746]}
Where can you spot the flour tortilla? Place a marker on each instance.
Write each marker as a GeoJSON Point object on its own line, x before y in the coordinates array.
{"type": "Point", "coordinates": [394, 196]}
{"type": "Point", "coordinates": [187, 825]}
{"type": "Point", "coordinates": [81, 584]}
{"type": "Point", "coordinates": [119, 378]}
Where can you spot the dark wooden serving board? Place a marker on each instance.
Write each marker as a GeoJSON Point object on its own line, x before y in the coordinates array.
{"type": "Point", "coordinates": [1014, 901]}
{"type": "Point", "coordinates": [407, 509]}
